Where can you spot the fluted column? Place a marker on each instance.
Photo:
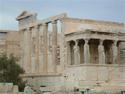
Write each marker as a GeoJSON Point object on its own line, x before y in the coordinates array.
{"type": "Point", "coordinates": [101, 52]}
{"type": "Point", "coordinates": [115, 52]}
{"type": "Point", "coordinates": [76, 53]}
{"type": "Point", "coordinates": [68, 53]}
{"type": "Point", "coordinates": [45, 61]}
{"type": "Point", "coordinates": [41, 54]}
{"type": "Point", "coordinates": [37, 49]}
{"type": "Point", "coordinates": [30, 53]}
{"type": "Point", "coordinates": [54, 45]}
{"type": "Point", "coordinates": [27, 50]}
{"type": "Point", "coordinates": [86, 52]}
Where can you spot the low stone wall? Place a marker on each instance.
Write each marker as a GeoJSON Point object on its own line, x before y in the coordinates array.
{"type": "Point", "coordinates": [9, 88]}
{"type": "Point", "coordinates": [48, 82]}
{"type": "Point", "coordinates": [94, 76]}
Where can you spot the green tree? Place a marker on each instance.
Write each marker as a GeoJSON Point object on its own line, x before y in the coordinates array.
{"type": "Point", "coordinates": [10, 71]}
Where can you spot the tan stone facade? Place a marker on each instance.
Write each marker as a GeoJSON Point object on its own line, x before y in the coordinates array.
{"type": "Point", "coordinates": [10, 42]}
{"type": "Point", "coordinates": [71, 53]}
{"type": "Point", "coordinates": [84, 54]}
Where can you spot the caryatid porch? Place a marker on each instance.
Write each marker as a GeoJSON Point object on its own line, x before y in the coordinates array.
{"type": "Point", "coordinates": [91, 47]}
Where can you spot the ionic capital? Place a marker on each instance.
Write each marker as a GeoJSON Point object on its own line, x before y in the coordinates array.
{"type": "Point", "coordinates": [54, 22]}
{"type": "Point", "coordinates": [44, 24]}
{"type": "Point", "coordinates": [76, 42]}
{"type": "Point", "coordinates": [86, 40]}
{"type": "Point", "coordinates": [68, 42]}
{"type": "Point", "coordinates": [36, 27]}
{"type": "Point", "coordinates": [115, 42]}
{"type": "Point", "coordinates": [101, 41]}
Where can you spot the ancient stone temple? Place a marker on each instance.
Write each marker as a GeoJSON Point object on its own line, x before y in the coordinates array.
{"type": "Point", "coordinates": [72, 53]}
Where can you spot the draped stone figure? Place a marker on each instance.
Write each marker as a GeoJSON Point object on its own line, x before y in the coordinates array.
{"type": "Point", "coordinates": [86, 52]}
{"type": "Point", "coordinates": [76, 54]}
{"type": "Point", "coordinates": [115, 52]}
{"type": "Point", "coordinates": [101, 53]}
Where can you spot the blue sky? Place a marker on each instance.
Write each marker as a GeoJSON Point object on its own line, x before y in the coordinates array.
{"type": "Point", "coordinates": [108, 10]}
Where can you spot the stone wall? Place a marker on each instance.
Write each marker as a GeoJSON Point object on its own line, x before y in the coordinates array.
{"type": "Point", "coordinates": [10, 42]}
{"type": "Point", "coordinates": [45, 82]}
{"type": "Point", "coordinates": [90, 76]}
{"type": "Point", "coordinates": [9, 88]}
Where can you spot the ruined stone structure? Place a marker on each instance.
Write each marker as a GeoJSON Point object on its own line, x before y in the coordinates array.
{"type": "Point", "coordinates": [9, 88]}
{"type": "Point", "coordinates": [84, 54]}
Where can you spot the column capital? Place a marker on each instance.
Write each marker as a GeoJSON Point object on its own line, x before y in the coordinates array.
{"type": "Point", "coordinates": [54, 22]}
{"type": "Point", "coordinates": [40, 26]}
{"type": "Point", "coordinates": [28, 29]}
{"type": "Point", "coordinates": [36, 26]}
{"type": "Point", "coordinates": [115, 42]}
{"type": "Point", "coordinates": [86, 40]}
{"type": "Point", "coordinates": [44, 24]}
{"type": "Point", "coordinates": [68, 42]}
{"type": "Point", "coordinates": [101, 41]}
{"type": "Point", "coordinates": [76, 42]}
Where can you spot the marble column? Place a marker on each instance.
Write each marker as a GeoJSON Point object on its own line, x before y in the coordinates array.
{"type": "Point", "coordinates": [45, 61]}
{"type": "Point", "coordinates": [115, 51]}
{"type": "Point", "coordinates": [33, 52]}
{"type": "Point", "coordinates": [30, 44]}
{"type": "Point", "coordinates": [37, 49]}
{"type": "Point", "coordinates": [86, 52]}
{"type": "Point", "coordinates": [34, 67]}
{"type": "Point", "coordinates": [62, 44]}
{"type": "Point", "coordinates": [101, 52]}
{"type": "Point", "coordinates": [41, 54]}
{"type": "Point", "coordinates": [76, 53]}
{"type": "Point", "coordinates": [27, 50]}
{"type": "Point", "coordinates": [68, 53]}
{"type": "Point", "coordinates": [54, 44]}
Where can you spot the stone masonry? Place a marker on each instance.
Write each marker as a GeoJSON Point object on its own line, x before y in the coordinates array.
{"type": "Point", "coordinates": [63, 52]}
{"type": "Point", "coordinates": [83, 54]}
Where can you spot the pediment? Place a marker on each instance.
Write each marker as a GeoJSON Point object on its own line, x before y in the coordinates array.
{"type": "Point", "coordinates": [23, 15]}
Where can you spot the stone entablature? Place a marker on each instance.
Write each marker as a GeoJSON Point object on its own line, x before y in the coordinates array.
{"type": "Point", "coordinates": [42, 22]}
{"type": "Point", "coordinates": [95, 35]}
{"type": "Point", "coordinates": [76, 25]}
